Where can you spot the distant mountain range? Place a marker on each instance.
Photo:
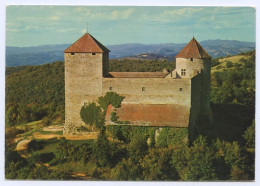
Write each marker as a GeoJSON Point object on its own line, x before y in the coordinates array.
{"type": "Point", "coordinates": [18, 56]}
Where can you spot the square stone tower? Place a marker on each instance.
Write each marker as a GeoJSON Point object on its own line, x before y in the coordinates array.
{"type": "Point", "coordinates": [86, 63]}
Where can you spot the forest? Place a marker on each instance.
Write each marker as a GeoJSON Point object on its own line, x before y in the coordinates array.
{"type": "Point", "coordinates": [221, 150]}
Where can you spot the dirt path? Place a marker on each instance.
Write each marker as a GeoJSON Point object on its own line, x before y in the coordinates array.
{"type": "Point", "coordinates": [92, 135]}
{"type": "Point", "coordinates": [53, 128]}
{"type": "Point", "coordinates": [22, 145]}
{"type": "Point", "coordinates": [23, 141]}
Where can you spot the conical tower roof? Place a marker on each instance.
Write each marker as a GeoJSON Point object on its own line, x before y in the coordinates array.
{"type": "Point", "coordinates": [87, 44]}
{"type": "Point", "coordinates": [193, 50]}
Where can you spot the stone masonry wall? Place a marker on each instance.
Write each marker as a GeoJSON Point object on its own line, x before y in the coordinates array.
{"type": "Point", "coordinates": [196, 92]}
{"type": "Point", "coordinates": [83, 83]}
{"type": "Point", "coordinates": [201, 66]}
{"type": "Point", "coordinates": [150, 90]}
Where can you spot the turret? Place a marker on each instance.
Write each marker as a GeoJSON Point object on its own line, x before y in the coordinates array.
{"type": "Point", "coordinates": [191, 61]}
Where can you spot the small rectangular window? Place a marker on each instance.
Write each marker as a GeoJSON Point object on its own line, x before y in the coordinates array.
{"type": "Point", "coordinates": [110, 88]}
{"type": "Point", "coordinates": [85, 104]}
{"type": "Point", "coordinates": [183, 72]}
{"type": "Point", "coordinates": [143, 88]}
{"type": "Point", "coordinates": [180, 89]}
{"type": "Point", "coordinates": [93, 54]}
{"type": "Point", "coordinates": [191, 59]}
{"type": "Point", "coordinates": [72, 53]}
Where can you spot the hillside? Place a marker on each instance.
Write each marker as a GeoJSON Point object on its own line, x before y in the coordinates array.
{"type": "Point", "coordinates": [233, 79]}
{"type": "Point", "coordinates": [33, 92]}
{"type": "Point", "coordinates": [18, 56]}
{"type": "Point", "coordinates": [38, 91]}
{"type": "Point", "coordinates": [218, 151]}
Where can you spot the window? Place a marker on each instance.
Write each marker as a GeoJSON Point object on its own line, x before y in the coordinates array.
{"type": "Point", "coordinates": [143, 88]}
{"type": "Point", "coordinates": [191, 59]}
{"type": "Point", "coordinates": [93, 54]}
{"type": "Point", "coordinates": [85, 104]}
{"type": "Point", "coordinates": [110, 88]}
{"type": "Point", "coordinates": [72, 53]}
{"type": "Point", "coordinates": [183, 72]}
{"type": "Point", "coordinates": [180, 89]}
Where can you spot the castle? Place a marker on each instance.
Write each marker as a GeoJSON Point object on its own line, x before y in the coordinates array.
{"type": "Point", "coordinates": [174, 99]}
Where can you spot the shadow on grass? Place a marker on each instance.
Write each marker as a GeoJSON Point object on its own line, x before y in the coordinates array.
{"type": "Point", "coordinates": [229, 122]}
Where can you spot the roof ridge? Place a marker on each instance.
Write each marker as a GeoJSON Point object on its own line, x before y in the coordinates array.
{"type": "Point", "coordinates": [87, 43]}
{"type": "Point", "coordinates": [193, 50]}
{"type": "Point", "coordinates": [198, 47]}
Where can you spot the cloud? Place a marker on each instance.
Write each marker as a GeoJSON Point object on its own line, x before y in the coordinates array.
{"type": "Point", "coordinates": [172, 15]}
{"type": "Point", "coordinates": [105, 13]}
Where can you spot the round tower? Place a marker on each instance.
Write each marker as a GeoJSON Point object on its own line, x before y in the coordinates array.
{"type": "Point", "coordinates": [194, 62]}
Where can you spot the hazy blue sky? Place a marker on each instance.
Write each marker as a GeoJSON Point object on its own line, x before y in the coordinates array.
{"type": "Point", "coordinates": [39, 25]}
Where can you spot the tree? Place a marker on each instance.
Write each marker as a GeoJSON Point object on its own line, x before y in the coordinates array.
{"type": "Point", "coordinates": [127, 169]}
{"type": "Point", "coordinates": [137, 147]}
{"type": "Point", "coordinates": [11, 116]}
{"type": "Point", "coordinates": [229, 64]}
{"type": "Point", "coordinates": [249, 136]}
{"type": "Point", "coordinates": [102, 150]}
{"type": "Point", "coordinates": [195, 162]}
{"type": "Point", "coordinates": [110, 98]}
{"type": "Point", "coordinates": [92, 115]}
{"type": "Point", "coordinates": [156, 165]}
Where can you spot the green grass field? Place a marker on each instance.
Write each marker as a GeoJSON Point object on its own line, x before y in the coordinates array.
{"type": "Point", "coordinates": [223, 62]}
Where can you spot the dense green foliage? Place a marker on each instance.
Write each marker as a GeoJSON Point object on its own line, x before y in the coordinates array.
{"type": "Point", "coordinates": [237, 85]}
{"type": "Point", "coordinates": [249, 136]}
{"type": "Point", "coordinates": [130, 65]}
{"type": "Point", "coordinates": [32, 168]}
{"type": "Point", "coordinates": [110, 98]}
{"type": "Point", "coordinates": [34, 92]}
{"type": "Point", "coordinates": [91, 114]}
{"type": "Point", "coordinates": [220, 150]}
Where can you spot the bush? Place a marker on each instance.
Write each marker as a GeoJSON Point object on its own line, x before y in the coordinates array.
{"type": "Point", "coordinates": [92, 115]}
{"type": "Point", "coordinates": [229, 64]}
{"type": "Point", "coordinates": [214, 62]}
{"type": "Point", "coordinates": [114, 117]}
{"type": "Point", "coordinates": [249, 136]}
{"type": "Point", "coordinates": [137, 147]}
{"type": "Point", "coordinates": [46, 121]}
{"type": "Point", "coordinates": [102, 150]}
{"type": "Point", "coordinates": [218, 67]}
{"type": "Point", "coordinates": [110, 98]}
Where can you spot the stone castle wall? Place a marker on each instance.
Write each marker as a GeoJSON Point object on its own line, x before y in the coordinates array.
{"type": "Point", "coordinates": [196, 91]}
{"type": "Point", "coordinates": [150, 90]}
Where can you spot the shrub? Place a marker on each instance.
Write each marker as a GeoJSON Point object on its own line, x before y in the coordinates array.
{"type": "Point", "coordinates": [92, 115]}
{"type": "Point", "coordinates": [218, 67]}
{"type": "Point", "coordinates": [249, 136]}
{"type": "Point", "coordinates": [46, 121]}
{"type": "Point", "coordinates": [114, 117]}
{"type": "Point", "coordinates": [229, 64]}
{"type": "Point", "coordinates": [110, 98]}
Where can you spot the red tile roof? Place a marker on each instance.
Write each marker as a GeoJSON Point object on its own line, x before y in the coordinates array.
{"type": "Point", "coordinates": [87, 43]}
{"type": "Point", "coordinates": [152, 115]}
{"type": "Point", "coordinates": [138, 74]}
{"type": "Point", "coordinates": [193, 50]}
